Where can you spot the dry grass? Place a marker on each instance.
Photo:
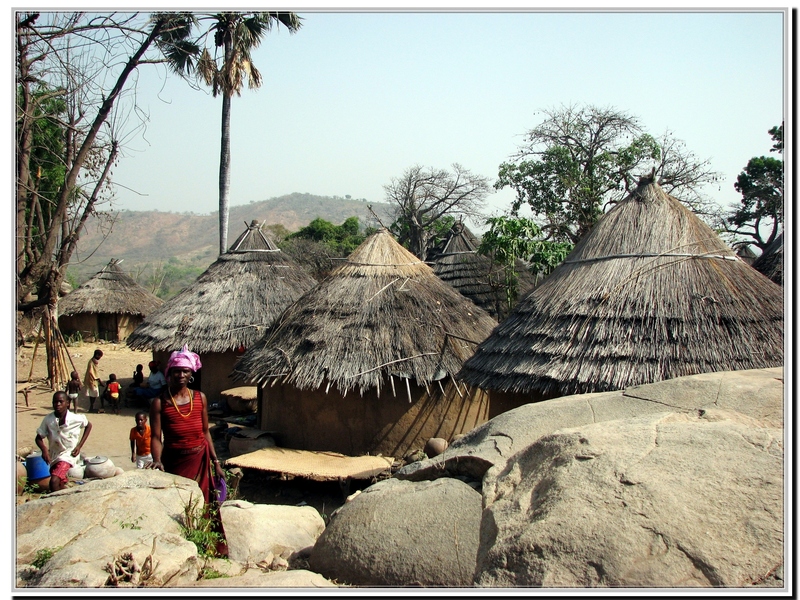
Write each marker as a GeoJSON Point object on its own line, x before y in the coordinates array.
{"type": "Point", "coordinates": [382, 312]}
{"type": "Point", "coordinates": [651, 293]}
{"type": "Point", "coordinates": [232, 303]}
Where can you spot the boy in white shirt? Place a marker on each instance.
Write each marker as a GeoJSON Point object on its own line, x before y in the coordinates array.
{"type": "Point", "coordinates": [65, 432]}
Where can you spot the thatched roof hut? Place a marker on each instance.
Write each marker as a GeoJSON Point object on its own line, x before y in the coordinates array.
{"type": "Point", "coordinates": [229, 307]}
{"type": "Point", "coordinates": [476, 276]}
{"type": "Point", "coordinates": [365, 361]}
{"type": "Point", "coordinates": [650, 293]}
{"type": "Point", "coordinates": [108, 306]}
{"type": "Point", "coordinates": [770, 263]}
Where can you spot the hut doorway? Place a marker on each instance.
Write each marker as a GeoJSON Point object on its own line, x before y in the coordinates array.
{"type": "Point", "coordinates": [107, 327]}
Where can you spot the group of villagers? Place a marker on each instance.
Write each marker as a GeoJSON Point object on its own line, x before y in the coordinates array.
{"type": "Point", "coordinates": [179, 438]}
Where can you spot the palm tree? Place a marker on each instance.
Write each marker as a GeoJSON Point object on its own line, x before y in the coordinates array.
{"type": "Point", "coordinates": [237, 34]}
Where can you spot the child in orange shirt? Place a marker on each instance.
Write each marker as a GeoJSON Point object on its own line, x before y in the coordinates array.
{"type": "Point", "coordinates": [140, 441]}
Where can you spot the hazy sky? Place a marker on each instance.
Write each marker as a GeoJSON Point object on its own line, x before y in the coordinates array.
{"type": "Point", "coordinates": [355, 98]}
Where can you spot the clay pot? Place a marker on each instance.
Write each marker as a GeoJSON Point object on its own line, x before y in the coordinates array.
{"type": "Point", "coordinates": [99, 467]}
{"type": "Point", "coordinates": [22, 478]}
{"type": "Point", "coordinates": [435, 446]}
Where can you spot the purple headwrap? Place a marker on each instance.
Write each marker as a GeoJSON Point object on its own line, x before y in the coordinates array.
{"type": "Point", "coordinates": [183, 358]}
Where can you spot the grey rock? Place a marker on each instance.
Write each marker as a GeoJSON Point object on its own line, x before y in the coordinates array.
{"type": "Point", "coordinates": [401, 533]}
{"type": "Point", "coordinates": [141, 501]}
{"type": "Point", "coordinates": [663, 500]}
{"type": "Point", "coordinates": [255, 530]}
{"type": "Point", "coordinates": [757, 392]}
{"type": "Point", "coordinates": [82, 563]}
{"type": "Point", "coordinates": [256, 578]}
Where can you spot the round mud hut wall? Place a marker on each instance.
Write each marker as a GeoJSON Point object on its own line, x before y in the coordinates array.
{"type": "Point", "coordinates": [355, 424]}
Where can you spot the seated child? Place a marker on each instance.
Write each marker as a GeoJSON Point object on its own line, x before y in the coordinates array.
{"type": "Point", "coordinates": [138, 376]}
{"type": "Point", "coordinates": [140, 441]}
{"type": "Point", "coordinates": [65, 432]}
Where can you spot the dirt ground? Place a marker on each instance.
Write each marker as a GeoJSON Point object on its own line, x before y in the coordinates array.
{"type": "Point", "coordinates": [109, 435]}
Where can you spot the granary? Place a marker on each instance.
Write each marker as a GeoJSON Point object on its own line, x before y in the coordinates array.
{"type": "Point", "coordinates": [650, 293]}
{"type": "Point", "coordinates": [229, 307]}
{"type": "Point", "coordinates": [365, 362]}
{"type": "Point", "coordinates": [109, 306]}
{"type": "Point", "coordinates": [770, 263]}
{"type": "Point", "coordinates": [476, 276]}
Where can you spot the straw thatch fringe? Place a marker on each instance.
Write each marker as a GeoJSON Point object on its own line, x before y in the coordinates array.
{"type": "Point", "coordinates": [382, 313]}
{"type": "Point", "coordinates": [111, 291]}
{"type": "Point", "coordinates": [232, 304]}
{"type": "Point", "coordinates": [476, 276]}
{"type": "Point", "coordinates": [770, 263]}
{"type": "Point", "coordinates": [622, 310]}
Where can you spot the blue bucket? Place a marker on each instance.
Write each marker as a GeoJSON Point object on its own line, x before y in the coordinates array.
{"type": "Point", "coordinates": [36, 467]}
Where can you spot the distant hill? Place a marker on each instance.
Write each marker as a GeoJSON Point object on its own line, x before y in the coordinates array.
{"type": "Point", "coordinates": [146, 238]}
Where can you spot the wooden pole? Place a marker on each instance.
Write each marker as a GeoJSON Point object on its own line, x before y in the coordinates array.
{"type": "Point", "coordinates": [35, 348]}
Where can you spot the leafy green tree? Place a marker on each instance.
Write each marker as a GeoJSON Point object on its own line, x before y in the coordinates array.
{"type": "Point", "coordinates": [341, 240]}
{"type": "Point", "coordinates": [578, 162]}
{"type": "Point", "coordinates": [517, 238]}
{"type": "Point", "coordinates": [233, 36]}
{"type": "Point", "coordinates": [759, 214]}
{"type": "Point", "coordinates": [423, 197]}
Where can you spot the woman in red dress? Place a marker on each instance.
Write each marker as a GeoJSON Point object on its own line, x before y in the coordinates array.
{"type": "Point", "coordinates": [181, 414]}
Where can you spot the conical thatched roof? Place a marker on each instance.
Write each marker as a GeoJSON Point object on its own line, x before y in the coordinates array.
{"type": "Point", "coordinates": [770, 263]}
{"type": "Point", "coordinates": [476, 276]}
{"type": "Point", "coordinates": [651, 293]}
{"type": "Point", "coordinates": [111, 291]}
{"type": "Point", "coordinates": [382, 312]}
{"type": "Point", "coordinates": [231, 304]}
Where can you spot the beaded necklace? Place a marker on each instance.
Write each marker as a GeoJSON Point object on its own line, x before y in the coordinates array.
{"type": "Point", "coordinates": [175, 404]}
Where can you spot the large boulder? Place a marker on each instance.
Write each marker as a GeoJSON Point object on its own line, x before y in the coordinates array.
{"type": "Point", "coordinates": [255, 532]}
{"type": "Point", "coordinates": [89, 526]}
{"type": "Point", "coordinates": [665, 500]}
{"type": "Point", "coordinates": [400, 533]}
{"type": "Point", "coordinates": [757, 392]}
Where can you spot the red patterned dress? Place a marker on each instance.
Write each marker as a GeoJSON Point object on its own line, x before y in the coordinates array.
{"type": "Point", "coordinates": [186, 452]}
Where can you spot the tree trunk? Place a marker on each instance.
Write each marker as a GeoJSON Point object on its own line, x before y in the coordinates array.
{"type": "Point", "coordinates": [224, 172]}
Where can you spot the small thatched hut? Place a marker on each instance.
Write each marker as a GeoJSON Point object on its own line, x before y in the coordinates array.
{"type": "Point", "coordinates": [476, 276]}
{"type": "Point", "coordinates": [364, 362]}
{"type": "Point", "coordinates": [650, 293]}
{"type": "Point", "coordinates": [109, 306]}
{"type": "Point", "coordinates": [745, 252]}
{"type": "Point", "coordinates": [229, 307]}
{"type": "Point", "coordinates": [770, 263]}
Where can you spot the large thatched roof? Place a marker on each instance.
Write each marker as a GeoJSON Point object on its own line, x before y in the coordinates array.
{"type": "Point", "coordinates": [651, 293]}
{"type": "Point", "coordinates": [231, 304]}
{"type": "Point", "coordinates": [111, 291]}
{"type": "Point", "coordinates": [476, 276]}
{"type": "Point", "coordinates": [770, 263]}
{"type": "Point", "coordinates": [381, 313]}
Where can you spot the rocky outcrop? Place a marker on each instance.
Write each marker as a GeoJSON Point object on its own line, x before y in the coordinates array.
{"type": "Point", "coordinates": [757, 393]}
{"type": "Point", "coordinates": [259, 532]}
{"type": "Point", "coordinates": [664, 500]}
{"type": "Point", "coordinates": [86, 527]}
{"type": "Point", "coordinates": [399, 533]}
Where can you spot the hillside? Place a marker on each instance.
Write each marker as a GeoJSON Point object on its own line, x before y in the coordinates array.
{"type": "Point", "coordinates": [145, 239]}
